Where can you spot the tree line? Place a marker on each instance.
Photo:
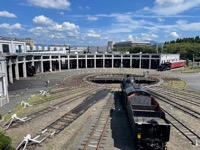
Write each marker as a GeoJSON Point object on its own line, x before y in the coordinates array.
{"type": "Point", "coordinates": [186, 47]}
{"type": "Point", "coordinates": [185, 40]}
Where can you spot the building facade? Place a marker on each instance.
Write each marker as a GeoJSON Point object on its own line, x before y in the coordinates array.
{"type": "Point", "coordinates": [128, 44]}
{"type": "Point", "coordinates": [12, 46]}
{"type": "Point", "coordinates": [29, 41]}
{"type": "Point", "coordinates": [169, 58]}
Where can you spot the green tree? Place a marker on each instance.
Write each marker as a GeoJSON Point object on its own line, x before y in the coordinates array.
{"type": "Point", "coordinates": [186, 47]}
{"type": "Point", "coordinates": [5, 142]}
{"type": "Point", "coordinates": [197, 39]}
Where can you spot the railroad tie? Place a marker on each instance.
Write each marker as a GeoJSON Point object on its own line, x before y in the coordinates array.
{"type": "Point", "coordinates": [96, 134]}
{"type": "Point", "coordinates": [95, 146]}
{"type": "Point", "coordinates": [93, 142]}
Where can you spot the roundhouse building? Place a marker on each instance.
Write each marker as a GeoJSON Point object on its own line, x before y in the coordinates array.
{"type": "Point", "coordinates": [12, 46]}
{"type": "Point", "coordinates": [18, 59]}
{"type": "Point", "coordinates": [53, 58]}
{"type": "Point", "coordinates": [3, 82]}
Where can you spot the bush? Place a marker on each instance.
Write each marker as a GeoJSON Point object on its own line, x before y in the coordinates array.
{"type": "Point", "coordinates": [5, 142]}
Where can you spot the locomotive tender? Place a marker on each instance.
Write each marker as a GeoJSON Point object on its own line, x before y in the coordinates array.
{"type": "Point", "coordinates": [151, 130]}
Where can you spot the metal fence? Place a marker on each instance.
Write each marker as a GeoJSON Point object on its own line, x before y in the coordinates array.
{"type": "Point", "coordinates": [196, 64]}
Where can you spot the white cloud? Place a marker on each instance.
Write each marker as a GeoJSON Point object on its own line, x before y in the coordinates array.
{"type": "Point", "coordinates": [124, 23]}
{"type": "Point", "coordinates": [130, 37]}
{"type": "Point", "coordinates": [7, 14]}
{"type": "Point", "coordinates": [13, 34]}
{"type": "Point", "coordinates": [5, 25]}
{"type": "Point", "coordinates": [69, 26]}
{"type": "Point", "coordinates": [161, 19]}
{"type": "Point", "coordinates": [154, 36]}
{"type": "Point", "coordinates": [133, 38]}
{"type": "Point", "coordinates": [92, 18]}
{"type": "Point", "coordinates": [146, 9]}
{"type": "Point", "coordinates": [173, 7]}
{"type": "Point", "coordinates": [166, 2]}
{"type": "Point", "coordinates": [38, 31]}
{"type": "Point", "coordinates": [174, 35]}
{"type": "Point", "coordinates": [184, 25]}
{"type": "Point", "coordinates": [42, 20]}
{"type": "Point", "coordinates": [125, 18]}
{"type": "Point", "coordinates": [148, 36]}
{"type": "Point", "coordinates": [51, 26]}
{"type": "Point", "coordinates": [56, 30]}
{"type": "Point", "coordinates": [65, 26]}
{"type": "Point", "coordinates": [55, 4]}
{"type": "Point", "coordinates": [62, 13]}
{"type": "Point", "coordinates": [16, 26]}
{"type": "Point", "coordinates": [86, 7]}
{"type": "Point", "coordinates": [92, 33]}
{"type": "Point", "coordinates": [57, 36]}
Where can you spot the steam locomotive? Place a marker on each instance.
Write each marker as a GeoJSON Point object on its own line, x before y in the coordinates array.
{"type": "Point", "coordinates": [151, 129]}
{"type": "Point", "coordinates": [31, 71]}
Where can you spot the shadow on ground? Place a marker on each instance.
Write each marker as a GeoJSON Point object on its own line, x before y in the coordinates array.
{"type": "Point", "coordinates": [121, 131]}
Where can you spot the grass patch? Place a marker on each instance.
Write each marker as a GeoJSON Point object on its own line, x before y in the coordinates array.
{"type": "Point", "coordinates": [190, 70]}
{"type": "Point", "coordinates": [35, 98]}
{"type": "Point", "coordinates": [19, 110]}
{"type": "Point", "coordinates": [175, 84]}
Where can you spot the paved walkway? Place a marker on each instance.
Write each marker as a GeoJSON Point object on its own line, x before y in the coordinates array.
{"type": "Point", "coordinates": [22, 89]}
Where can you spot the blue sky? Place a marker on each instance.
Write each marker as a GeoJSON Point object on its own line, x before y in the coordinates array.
{"type": "Point", "coordinates": [95, 22]}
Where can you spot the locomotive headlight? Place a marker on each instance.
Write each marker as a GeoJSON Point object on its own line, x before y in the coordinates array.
{"type": "Point", "coordinates": [139, 136]}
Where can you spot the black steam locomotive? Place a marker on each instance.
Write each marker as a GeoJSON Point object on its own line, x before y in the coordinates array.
{"type": "Point", "coordinates": [30, 70]}
{"type": "Point", "coordinates": [151, 130]}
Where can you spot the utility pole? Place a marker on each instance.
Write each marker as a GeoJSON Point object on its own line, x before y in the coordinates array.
{"type": "Point", "coordinates": [193, 61]}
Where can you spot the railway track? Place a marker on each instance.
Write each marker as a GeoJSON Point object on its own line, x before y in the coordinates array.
{"type": "Point", "coordinates": [97, 136]}
{"type": "Point", "coordinates": [186, 131]}
{"type": "Point", "coordinates": [57, 95]}
{"type": "Point", "coordinates": [182, 96]}
{"type": "Point", "coordinates": [175, 104]}
{"type": "Point", "coordinates": [64, 121]}
{"type": "Point", "coordinates": [189, 133]}
{"type": "Point", "coordinates": [62, 94]}
{"type": "Point", "coordinates": [190, 94]}
{"type": "Point", "coordinates": [57, 105]}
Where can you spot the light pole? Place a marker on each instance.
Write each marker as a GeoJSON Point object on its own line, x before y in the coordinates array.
{"type": "Point", "coordinates": [140, 63]}
{"type": "Point", "coordinates": [193, 61]}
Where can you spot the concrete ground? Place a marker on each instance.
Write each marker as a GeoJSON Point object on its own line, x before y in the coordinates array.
{"type": "Point", "coordinates": [192, 79]}
{"type": "Point", "coordinates": [22, 89]}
